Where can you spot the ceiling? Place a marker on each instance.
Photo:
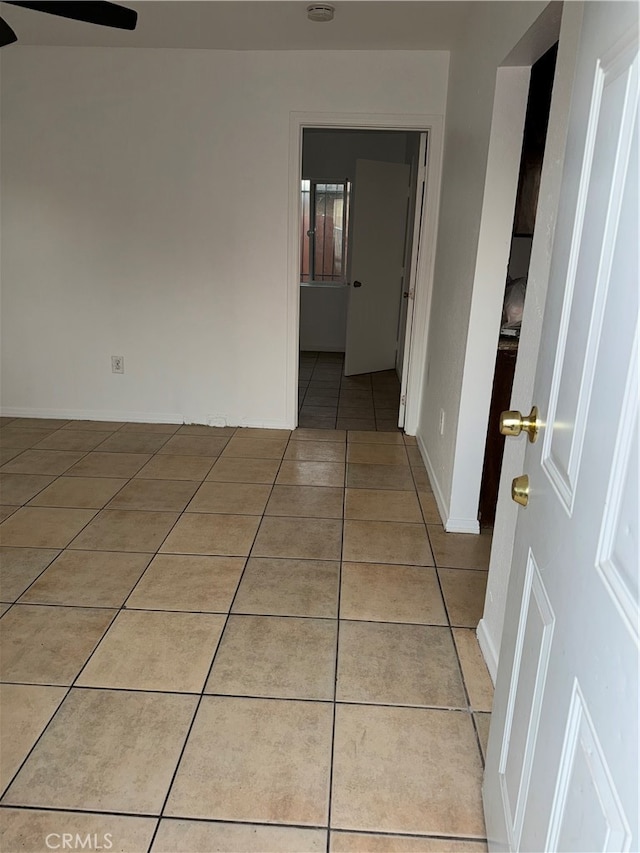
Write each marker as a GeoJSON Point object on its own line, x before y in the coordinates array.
{"type": "Point", "coordinates": [256, 25]}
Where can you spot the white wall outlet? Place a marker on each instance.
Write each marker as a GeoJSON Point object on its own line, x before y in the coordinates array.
{"type": "Point", "coordinates": [117, 364]}
{"type": "Point", "coordinates": [441, 421]}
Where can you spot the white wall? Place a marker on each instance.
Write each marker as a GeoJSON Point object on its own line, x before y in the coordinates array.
{"type": "Point", "coordinates": [323, 317]}
{"type": "Point", "coordinates": [492, 31]}
{"type": "Point", "coordinates": [332, 154]}
{"type": "Point", "coordinates": [144, 213]}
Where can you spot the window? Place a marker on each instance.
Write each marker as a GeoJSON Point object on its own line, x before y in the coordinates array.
{"type": "Point", "coordinates": [324, 231]}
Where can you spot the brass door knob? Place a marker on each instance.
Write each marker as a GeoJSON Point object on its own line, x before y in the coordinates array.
{"type": "Point", "coordinates": [512, 423]}
{"type": "Point", "coordinates": [520, 490]}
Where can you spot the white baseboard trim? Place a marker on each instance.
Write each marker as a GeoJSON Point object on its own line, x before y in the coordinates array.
{"type": "Point", "coordinates": [462, 525]}
{"type": "Point", "coordinates": [489, 651]}
{"type": "Point", "coordinates": [140, 417]}
{"type": "Point", "coordinates": [443, 509]}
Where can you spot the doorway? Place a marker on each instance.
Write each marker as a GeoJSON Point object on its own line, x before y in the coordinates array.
{"type": "Point", "coordinates": [360, 201]}
{"type": "Point", "coordinates": [533, 146]}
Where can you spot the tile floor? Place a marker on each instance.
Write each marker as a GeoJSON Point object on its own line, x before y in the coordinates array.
{"type": "Point", "coordinates": [235, 640]}
{"type": "Point", "coordinates": [329, 400]}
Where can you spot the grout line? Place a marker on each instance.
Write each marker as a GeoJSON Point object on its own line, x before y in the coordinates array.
{"type": "Point", "coordinates": [213, 660]}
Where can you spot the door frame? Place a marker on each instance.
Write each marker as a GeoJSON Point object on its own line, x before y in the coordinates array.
{"type": "Point", "coordinates": [416, 340]}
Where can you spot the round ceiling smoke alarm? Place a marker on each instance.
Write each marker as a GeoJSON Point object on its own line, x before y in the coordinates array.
{"type": "Point", "coordinates": [320, 12]}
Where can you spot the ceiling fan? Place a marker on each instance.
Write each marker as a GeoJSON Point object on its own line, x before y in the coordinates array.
{"type": "Point", "coordinates": [101, 13]}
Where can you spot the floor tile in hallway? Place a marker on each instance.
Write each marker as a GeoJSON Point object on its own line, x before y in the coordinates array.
{"type": "Point", "coordinates": [238, 640]}
{"type": "Point", "coordinates": [327, 399]}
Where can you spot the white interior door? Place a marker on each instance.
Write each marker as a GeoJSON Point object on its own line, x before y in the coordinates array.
{"type": "Point", "coordinates": [378, 222]}
{"type": "Point", "coordinates": [562, 763]}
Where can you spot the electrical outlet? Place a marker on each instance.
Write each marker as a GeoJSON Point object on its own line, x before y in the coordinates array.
{"type": "Point", "coordinates": [117, 364]}
{"type": "Point", "coordinates": [441, 421]}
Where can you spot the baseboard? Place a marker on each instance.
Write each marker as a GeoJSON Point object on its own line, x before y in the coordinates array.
{"type": "Point", "coordinates": [462, 525]}
{"type": "Point", "coordinates": [489, 652]}
{"type": "Point", "coordinates": [141, 417]}
{"type": "Point", "coordinates": [443, 509]}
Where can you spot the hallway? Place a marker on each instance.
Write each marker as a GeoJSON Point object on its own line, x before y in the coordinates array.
{"type": "Point", "coordinates": [328, 400]}
{"type": "Point", "coordinates": [236, 640]}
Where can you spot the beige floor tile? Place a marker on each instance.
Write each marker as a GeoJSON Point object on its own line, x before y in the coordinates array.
{"type": "Point", "coordinates": [49, 645]}
{"type": "Point", "coordinates": [100, 426]}
{"type": "Point", "coordinates": [460, 550]}
{"type": "Point", "coordinates": [406, 770]}
{"type": "Point", "coordinates": [26, 710]}
{"type": "Point", "coordinates": [67, 439]}
{"type": "Point", "coordinates": [26, 830]}
{"type": "Point", "coordinates": [44, 527]}
{"type": "Point", "coordinates": [383, 593]}
{"type": "Point", "coordinates": [53, 462]}
{"type": "Point", "coordinates": [306, 501]}
{"type": "Point", "coordinates": [133, 442]}
{"type": "Point", "coordinates": [234, 498]}
{"type": "Point", "coordinates": [79, 492]}
{"type": "Point", "coordinates": [150, 650]}
{"type": "Point", "coordinates": [158, 495]}
{"type": "Point", "coordinates": [187, 836]}
{"type": "Point", "coordinates": [17, 489]}
{"type": "Point", "coordinates": [192, 583]}
{"type": "Point", "coordinates": [262, 432]}
{"type": "Point", "coordinates": [164, 429]}
{"type": "Point", "coordinates": [362, 476]}
{"type": "Point", "coordinates": [421, 479]}
{"type": "Point", "coordinates": [6, 510]}
{"type": "Point", "coordinates": [125, 530]}
{"type": "Point", "coordinates": [216, 535]}
{"type": "Point", "coordinates": [386, 542]}
{"type": "Point", "coordinates": [288, 588]}
{"type": "Point", "coordinates": [483, 721]}
{"type": "Point", "coordinates": [351, 424]}
{"type": "Point", "coordinates": [231, 470]}
{"type": "Point", "coordinates": [207, 431]}
{"type": "Point", "coordinates": [364, 842]}
{"type": "Point", "coordinates": [276, 756]}
{"type": "Point", "coordinates": [429, 508]}
{"type": "Point", "coordinates": [316, 451]}
{"type": "Point", "coordinates": [40, 423]}
{"type": "Point", "coordinates": [4, 608]}
{"type": "Point", "coordinates": [377, 454]}
{"type": "Point", "coordinates": [398, 665]}
{"type": "Point", "coordinates": [255, 448]}
{"type": "Point", "coordinates": [311, 474]}
{"type": "Point", "coordinates": [382, 505]}
{"type": "Point", "coordinates": [88, 579]}
{"type": "Point", "coordinates": [97, 464]}
{"type": "Point", "coordinates": [281, 657]}
{"type": "Point", "coordinates": [194, 445]}
{"type": "Point", "coordinates": [415, 457]}
{"type": "Point", "coordinates": [474, 669]}
{"type": "Point", "coordinates": [21, 439]}
{"type": "Point", "coordinates": [409, 440]}
{"type": "Point", "coordinates": [302, 434]}
{"type": "Point", "coordinates": [168, 467]}
{"type": "Point", "coordinates": [7, 453]}
{"type": "Point", "coordinates": [19, 567]}
{"type": "Point", "coordinates": [299, 538]}
{"type": "Point", "coordinates": [107, 750]}
{"type": "Point", "coordinates": [464, 593]}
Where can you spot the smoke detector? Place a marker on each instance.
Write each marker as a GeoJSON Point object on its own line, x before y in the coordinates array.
{"type": "Point", "coordinates": [320, 12]}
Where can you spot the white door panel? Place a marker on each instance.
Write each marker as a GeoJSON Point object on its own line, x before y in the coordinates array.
{"type": "Point", "coordinates": [378, 222]}
{"type": "Point", "coordinates": [562, 764]}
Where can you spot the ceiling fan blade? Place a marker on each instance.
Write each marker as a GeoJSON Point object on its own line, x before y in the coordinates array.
{"type": "Point", "coordinates": [7, 35]}
{"type": "Point", "coordinates": [102, 13]}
